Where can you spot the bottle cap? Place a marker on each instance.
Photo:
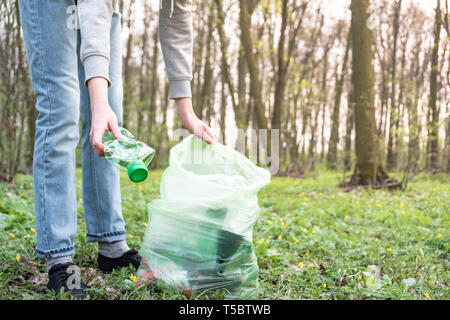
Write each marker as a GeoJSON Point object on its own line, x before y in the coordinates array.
{"type": "Point", "coordinates": [137, 172]}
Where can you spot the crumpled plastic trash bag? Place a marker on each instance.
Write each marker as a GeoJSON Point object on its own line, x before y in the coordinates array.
{"type": "Point", "coordinates": [199, 234]}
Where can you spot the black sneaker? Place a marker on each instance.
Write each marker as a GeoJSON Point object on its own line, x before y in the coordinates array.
{"type": "Point", "coordinates": [107, 265]}
{"type": "Point", "coordinates": [61, 276]}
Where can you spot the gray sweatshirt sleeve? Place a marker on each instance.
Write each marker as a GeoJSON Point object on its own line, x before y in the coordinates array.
{"type": "Point", "coordinates": [176, 37]}
{"type": "Point", "coordinates": [95, 26]}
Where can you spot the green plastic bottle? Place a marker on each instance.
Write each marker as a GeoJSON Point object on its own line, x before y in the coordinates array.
{"type": "Point", "coordinates": [128, 155]}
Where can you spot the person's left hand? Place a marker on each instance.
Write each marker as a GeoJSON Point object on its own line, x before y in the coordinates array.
{"type": "Point", "coordinates": [191, 122]}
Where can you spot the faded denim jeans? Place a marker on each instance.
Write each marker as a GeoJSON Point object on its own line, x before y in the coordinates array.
{"type": "Point", "coordinates": [57, 76]}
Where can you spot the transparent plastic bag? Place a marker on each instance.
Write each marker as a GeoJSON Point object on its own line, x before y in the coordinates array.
{"type": "Point", "coordinates": [199, 235]}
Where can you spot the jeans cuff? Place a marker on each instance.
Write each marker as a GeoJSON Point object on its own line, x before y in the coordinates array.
{"type": "Point", "coordinates": [54, 253]}
{"type": "Point", "coordinates": [106, 236]}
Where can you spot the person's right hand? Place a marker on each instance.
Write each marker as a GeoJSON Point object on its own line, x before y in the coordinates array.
{"type": "Point", "coordinates": [103, 118]}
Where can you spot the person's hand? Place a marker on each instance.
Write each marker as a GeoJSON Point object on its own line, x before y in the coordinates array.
{"type": "Point", "coordinates": [191, 122]}
{"type": "Point", "coordinates": [103, 118]}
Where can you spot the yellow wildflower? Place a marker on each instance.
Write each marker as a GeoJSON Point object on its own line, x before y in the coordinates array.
{"type": "Point", "coordinates": [439, 236]}
{"type": "Point", "coordinates": [389, 250]}
{"type": "Point", "coordinates": [379, 205]}
{"type": "Point", "coordinates": [402, 205]}
{"type": "Point", "coordinates": [144, 223]}
{"type": "Point", "coordinates": [324, 285]}
{"type": "Point", "coordinates": [269, 222]}
{"type": "Point", "coordinates": [9, 244]}
{"type": "Point", "coordinates": [311, 265]}
{"type": "Point", "coordinates": [17, 257]}
{"type": "Point", "coordinates": [320, 194]}
{"type": "Point", "coordinates": [12, 235]}
{"type": "Point", "coordinates": [357, 202]}
{"type": "Point", "coordinates": [130, 235]}
{"type": "Point", "coordinates": [403, 211]}
{"type": "Point", "coordinates": [32, 230]}
{"type": "Point", "coordinates": [267, 241]}
{"type": "Point", "coordinates": [280, 237]}
{"type": "Point", "coordinates": [301, 265]}
{"type": "Point", "coordinates": [427, 295]}
{"type": "Point", "coordinates": [359, 277]}
{"type": "Point", "coordinates": [261, 241]}
{"type": "Point", "coordinates": [26, 236]}
{"type": "Point", "coordinates": [133, 278]}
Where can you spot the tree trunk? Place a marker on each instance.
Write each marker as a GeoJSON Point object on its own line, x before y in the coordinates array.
{"type": "Point", "coordinates": [143, 71]}
{"type": "Point", "coordinates": [412, 100]}
{"type": "Point", "coordinates": [205, 95]}
{"type": "Point", "coordinates": [154, 84]}
{"type": "Point", "coordinates": [252, 63]}
{"type": "Point", "coordinates": [350, 124]}
{"type": "Point", "coordinates": [126, 67]}
{"type": "Point", "coordinates": [434, 123]}
{"type": "Point", "coordinates": [334, 134]}
{"type": "Point", "coordinates": [324, 99]}
{"type": "Point", "coordinates": [368, 168]}
{"type": "Point", "coordinates": [391, 162]}
{"type": "Point", "coordinates": [240, 115]}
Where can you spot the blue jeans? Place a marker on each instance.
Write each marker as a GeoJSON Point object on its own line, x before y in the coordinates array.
{"type": "Point", "coordinates": [57, 75]}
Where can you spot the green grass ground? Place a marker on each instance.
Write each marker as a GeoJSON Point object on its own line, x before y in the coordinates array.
{"type": "Point", "coordinates": [313, 241]}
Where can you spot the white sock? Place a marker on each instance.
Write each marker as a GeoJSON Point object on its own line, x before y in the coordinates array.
{"type": "Point", "coordinates": [113, 249]}
{"type": "Point", "coordinates": [58, 260]}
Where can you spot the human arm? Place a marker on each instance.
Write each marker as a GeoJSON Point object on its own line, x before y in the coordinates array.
{"type": "Point", "coordinates": [95, 18]}
{"type": "Point", "coordinates": [176, 37]}
{"type": "Point", "coordinates": [103, 118]}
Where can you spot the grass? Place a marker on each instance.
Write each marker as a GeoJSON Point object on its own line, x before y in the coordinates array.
{"type": "Point", "coordinates": [312, 241]}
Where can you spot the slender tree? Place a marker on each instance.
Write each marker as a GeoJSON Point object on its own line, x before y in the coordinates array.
{"type": "Point", "coordinates": [128, 92]}
{"type": "Point", "coordinates": [434, 110]}
{"type": "Point", "coordinates": [334, 133]}
{"type": "Point", "coordinates": [252, 62]}
{"type": "Point", "coordinates": [391, 162]}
